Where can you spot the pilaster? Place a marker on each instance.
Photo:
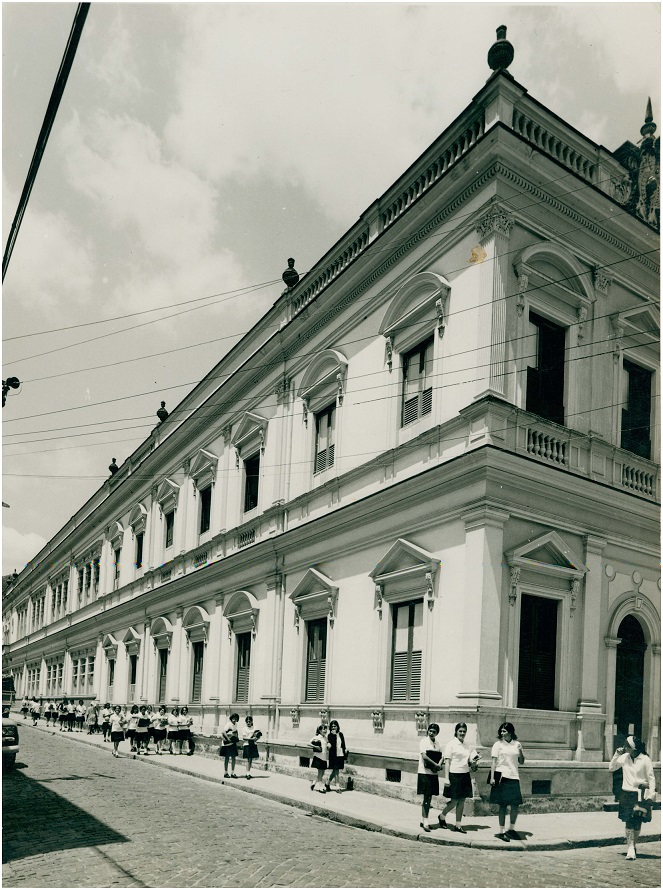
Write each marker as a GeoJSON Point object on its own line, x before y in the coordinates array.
{"type": "Point", "coordinates": [591, 642]}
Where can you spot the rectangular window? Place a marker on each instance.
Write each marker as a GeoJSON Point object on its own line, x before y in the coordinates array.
{"type": "Point", "coordinates": [197, 679]}
{"type": "Point", "coordinates": [90, 671]}
{"type": "Point", "coordinates": [163, 673]}
{"type": "Point", "coordinates": [251, 483]}
{"type": "Point", "coordinates": [96, 568]}
{"type": "Point", "coordinates": [74, 674]}
{"type": "Point", "coordinates": [325, 423]}
{"type": "Point", "coordinates": [407, 645]}
{"type": "Point", "coordinates": [243, 666]}
{"type": "Point", "coordinates": [205, 509]}
{"type": "Point", "coordinates": [636, 410]}
{"type": "Point", "coordinates": [538, 652]}
{"type": "Point", "coordinates": [111, 675]}
{"type": "Point", "coordinates": [117, 558]}
{"type": "Point", "coordinates": [545, 372]}
{"type": "Point", "coordinates": [81, 581]}
{"type": "Point", "coordinates": [417, 396]}
{"type": "Point", "coordinates": [169, 519]}
{"type": "Point", "coordinates": [133, 673]}
{"type": "Point", "coordinates": [139, 549]}
{"type": "Point", "coordinates": [316, 659]}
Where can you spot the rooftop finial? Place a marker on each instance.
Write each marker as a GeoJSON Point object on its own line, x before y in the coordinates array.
{"type": "Point", "coordinates": [162, 414]}
{"type": "Point", "coordinates": [113, 467]}
{"type": "Point", "coordinates": [500, 55]}
{"type": "Point", "coordinates": [649, 127]}
{"type": "Point", "coordinates": [291, 275]}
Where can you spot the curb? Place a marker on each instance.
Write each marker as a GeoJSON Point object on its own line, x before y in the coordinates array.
{"type": "Point", "coordinates": [366, 825]}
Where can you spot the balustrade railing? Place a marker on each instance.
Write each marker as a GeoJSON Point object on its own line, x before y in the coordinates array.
{"type": "Point", "coordinates": [546, 446]}
{"type": "Point", "coordinates": [553, 145]}
{"type": "Point", "coordinates": [639, 480]}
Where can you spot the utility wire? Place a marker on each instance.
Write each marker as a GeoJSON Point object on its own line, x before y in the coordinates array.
{"type": "Point", "coordinates": [45, 132]}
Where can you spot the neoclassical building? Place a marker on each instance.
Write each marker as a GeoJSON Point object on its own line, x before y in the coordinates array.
{"type": "Point", "coordinates": [425, 485]}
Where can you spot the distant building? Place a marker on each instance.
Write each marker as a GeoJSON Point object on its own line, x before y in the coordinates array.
{"type": "Point", "coordinates": [425, 486]}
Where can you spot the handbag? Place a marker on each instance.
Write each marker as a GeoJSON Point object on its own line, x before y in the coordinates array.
{"type": "Point", "coordinates": [642, 809]}
{"type": "Point", "coordinates": [498, 778]}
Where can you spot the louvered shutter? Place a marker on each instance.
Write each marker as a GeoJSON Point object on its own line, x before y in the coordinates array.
{"type": "Point", "coordinates": [197, 684]}
{"type": "Point", "coordinates": [427, 401]}
{"type": "Point", "coordinates": [538, 652]}
{"type": "Point", "coordinates": [417, 391]}
{"type": "Point", "coordinates": [324, 439]}
{"type": "Point", "coordinates": [316, 659]}
{"type": "Point", "coordinates": [407, 651]}
{"type": "Point", "coordinates": [163, 671]}
{"type": "Point", "coordinates": [243, 666]}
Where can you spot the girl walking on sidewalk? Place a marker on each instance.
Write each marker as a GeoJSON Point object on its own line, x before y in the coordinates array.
{"type": "Point", "coordinates": [638, 788]}
{"type": "Point", "coordinates": [249, 747]}
{"type": "Point", "coordinates": [117, 723]}
{"type": "Point", "coordinates": [105, 721]}
{"type": "Point", "coordinates": [159, 727]}
{"type": "Point", "coordinates": [430, 763]}
{"type": "Point", "coordinates": [131, 727]}
{"type": "Point", "coordinates": [229, 739]}
{"type": "Point", "coordinates": [51, 711]}
{"type": "Point", "coordinates": [338, 754]}
{"type": "Point", "coordinates": [459, 759]}
{"type": "Point", "coordinates": [506, 755]}
{"type": "Point", "coordinates": [173, 729]}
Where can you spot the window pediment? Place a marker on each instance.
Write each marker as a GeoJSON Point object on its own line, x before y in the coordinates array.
{"type": "Point", "coordinates": [116, 535]}
{"type": "Point", "coordinates": [167, 495]}
{"type": "Point", "coordinates": [324, 379]}
{"type": "Point", "coordinates": [418, 307]}
{"type": "Point", "coordinates": [109, 644]}
{"type": "Point", "coordinates": [162, 633]}
{"type": "Point", "coordinates": [196, 624]}
{"type": "Point", "coordinates": [203, 468]}
{"type": "Point", "coordinates": [550, 267]}
{"type": "Point", "coordinates": [241, 612]}
{"type": "Point", "coordinates": [643, 321]}
{"type": "Point", "coordinates": [132, 640]}
{"type": "Point", "coordinates": [250, 434]}
{"type": "Point", "coordinates": [403, 564]}
{"type": "Point", "coordinates": [138, 519]}
{"type": "Point", "coordinates": [315, 597]}
{"type": "Point", "coordinates": [549, 555]}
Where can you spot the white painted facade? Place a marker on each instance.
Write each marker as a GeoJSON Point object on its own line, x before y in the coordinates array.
{"type": "Point", "coordinates": [468, 510]}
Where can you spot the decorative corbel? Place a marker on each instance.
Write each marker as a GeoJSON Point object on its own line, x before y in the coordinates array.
{"type": "Point", "coordinates": [582, 318]}
{"type": "Point", "coordinates": [236, 458]}
{"type": "Point", "coordinates": [253, 625]}
{"type": "Point", "coordinates": [430, 589]}
{"type": "Point", "coordinates": [294, 716]}
{"type": "Point", "coordinates": [523, 284]}
{"type": "Point", "coordinates": [575, 590]}
{"type": "Point", "coordinates": [618, 333]}
{"type": "Point", "coordinates": [389, 350]}
{"type": "Point", "coordinates": [298, 615]}
{"type": "Point", "coordinates": [261, 435]}
{"type": "Point", "coordinates": [330, 603]}
{"type": "Point", "coordinates": [378, 720]}
{"type": "Point", "coordinates": [602, 281]}
{"type": "Point", "coordinates": [421, 718]}
{"type": "Point", "coordinates": [324, 716]}
{"type": "Point", "coordinates": [515, 581]}
{"type": "Point", "coordinates": [339, 388]}
{"type": "Point", "coordinates": [305, 411]}
{"type": "Point", "coordinates": [230, 628]}
{"type": "Point", "coordinates": [379, 593]}
{"type": "Point", "coordinates": [439, 309]}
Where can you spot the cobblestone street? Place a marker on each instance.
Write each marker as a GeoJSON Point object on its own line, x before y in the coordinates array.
{"type": "Point", "coordinates": [73, 816]}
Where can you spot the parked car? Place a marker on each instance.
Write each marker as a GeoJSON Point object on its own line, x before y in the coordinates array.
{"type": "Point", "coordinates": [9, 742]}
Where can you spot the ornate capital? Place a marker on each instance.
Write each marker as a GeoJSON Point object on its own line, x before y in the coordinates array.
{"type": "Point", "coordinates": [495, 222]}
{"type": "Point", "coordinates": [226, 432]}
{"type": "Point", "coordinates": [339, 388]}
{"type": "Point", "coordinates": [282, 388]}
{"type": "Point", "coordinates": [602, 281]}
{"type": "Point", "coordinates": [611, 642]}
{"type": "Point", "coordinates": [378, 720]}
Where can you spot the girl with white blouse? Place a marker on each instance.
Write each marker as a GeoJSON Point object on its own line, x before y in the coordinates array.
{"type": "Point", "coordinates": [117, 723]}
{"type": "Point", "coordinates": [506, 755]}
{"type": "Point", "coordinates": [638, 783]}
{"type": "Point", "coordinates": [430, 763]}
{"type": "Point", "coordinates": [458, 757]}
{"type": "Point", "coordinates": [320, 747]}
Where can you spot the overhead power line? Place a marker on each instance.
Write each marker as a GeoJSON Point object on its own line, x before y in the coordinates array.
{"type": "Point", "coordinates": [47, 125]}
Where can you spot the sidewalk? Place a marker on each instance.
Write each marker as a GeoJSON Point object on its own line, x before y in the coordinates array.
{"type": "Point", "coordinates": [541, 831]}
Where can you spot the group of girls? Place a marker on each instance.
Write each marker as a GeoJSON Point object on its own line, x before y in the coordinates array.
{"type": "Point", "coordinates": [329, 752]}
{"type": "Point", "coordinates": [69, 714]}
{"type": "Point", "coordinates": [143, 724]}
{"type": "Point", "coordinates": [230, 745]}
{"type": "Point", "coordinates": [458, 761]}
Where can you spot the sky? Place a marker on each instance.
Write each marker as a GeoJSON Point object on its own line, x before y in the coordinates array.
{"type": "Point", "coordinates": [197, 147]}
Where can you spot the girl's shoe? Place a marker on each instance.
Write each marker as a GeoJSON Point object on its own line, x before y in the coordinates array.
{"type": "Point", "coordinates": [425, 826]}
{"type": "Point", "coordinates": [313, 787]}
{"type": "Point", "coordinates": [442, 821]}
{"type": "Point", "coordinates": [327, 786]}
{"type": "Point", "coordinates": [630, 853]}
{"type": "Point", "coordinates": [459, 829]}
{"type": "Point", "coordinates": [503, 836]}
{"type": "Point", "coordinates": [233, 775]}
{"type": "Point", "coordinates": [225, 775]}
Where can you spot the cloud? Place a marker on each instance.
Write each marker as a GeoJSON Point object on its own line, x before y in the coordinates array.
{"type": "Point", "coordinates": [18, 549]}
{"type": "Point", "coordinates": [116, 67]}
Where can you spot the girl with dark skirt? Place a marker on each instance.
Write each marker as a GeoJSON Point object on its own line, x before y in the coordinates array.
{"type": "Point", "coordinates": [249, 747]}
{"type": "Point", "coordinates": [71, 715]}
{"type": "Point", "coordinates": [50, 712]}
{"type": "Point", "coordinates": [459, 759]}
{"type": "Point", "coordinates": [320, 747]}
{"type": "Point", "coordinates": [117, 723]}
{"type": "Point", "coordinates": [105, 721]}
{"type": "Point", "coordinates": [338, 754]}
{"type": "Point", "coordinates": [173, 730]}
{"type": "Point", "coordinates": [430, 763]}
{"type": "Point", "coordinates": [143, 731]}
{"type": "Point", "coordinates": [506, 754]}
{"type": "Point", "coordinates": [80, 715]}
{"type": "Point", "coordinates": [35, 711]}
{"type": "Point", "coordinates": [62, 714]}
{"type": "Point", "coordinates": [25, 707]}
{"type": "Point", "coordinates": [229, 739]}
{"type": "Point", "coordinates": [131, 727]}
{"type": "Point", "coordinates": [638, 788]}
{"type": "Point", "coordinates": [159, 727]}
{"type": "Point", "coordinates": [185, 723]}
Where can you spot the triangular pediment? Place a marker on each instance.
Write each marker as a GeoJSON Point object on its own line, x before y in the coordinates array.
{"type": "Point", "coordinates": [203, 463]}
{"type": "Point", "coordinates": [251, 426]}
{"type": "Point", "coordinates": [642, 320]}
{"type": "Point", "coordinates": [548, 551]}
{"type": "Point", "coordinates": [313, 582]}
{"type": "Point", "coordinates": [403, 557]}
{"type": "Point", "coordinates": [167, 491]}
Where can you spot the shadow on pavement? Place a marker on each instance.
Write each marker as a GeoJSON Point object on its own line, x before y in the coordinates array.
{"type": "Point", "coordinates": [36, 820]}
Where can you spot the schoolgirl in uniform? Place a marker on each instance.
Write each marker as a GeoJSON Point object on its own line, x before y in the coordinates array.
{"type": "Point", "coordinates": [159, 727]}
{"type": "Point", "coordinates": [229, 739]}
{"type": "Point", "coordinates": [50, 712]}
{"type": "Point", "coordinates": [249, 747]}
{"type": "Point", "coordinates": [459, 759]}
{"type": "Point", "coordinates": [80, 715]}
{"type": "Point", "coordinates": [506, 754]}
{"type": "Point", "coordinates": [105, 721]}
{"type": "Point", "coordinates": [90, 718]}
{"type": "Point", "coordinates": [71, 715]}
{"type": "Point", "coordinates": [320, 747]}
{"type": "Point", "coordinates": [143, 731]}
{"type": "Point", "coordinates": [337, 754]}
{"type": "Point", "coordinates": [25, 707]}
{"type": "Point", "coordinates": [131, 726]}
{"type": "Point", "coordinates": [35, 710]}
{"type": "Point", "coordinates": [428, 783]}
{"type": "Point", "coordinates": [62, 714]}
{"type": "Point", "coordinates": [185, 723]}
{"type": "Point", "coordinates": [117, 724]}
{"type": "Point", "coordinates": [173, 730]}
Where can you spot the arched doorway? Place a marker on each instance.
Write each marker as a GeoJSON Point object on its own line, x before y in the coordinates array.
{"type": "Point", "coordinates": [629, 677]}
